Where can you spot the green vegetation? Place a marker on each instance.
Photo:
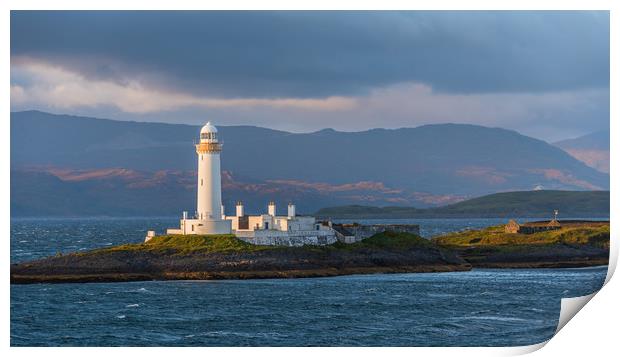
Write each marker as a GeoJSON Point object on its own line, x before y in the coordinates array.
{"type": "Point", "coordinates": [508, 204]}
{"type": "Point", "coordinates": [390, 240]}
{"type": "Point", "coordinates": [188, 244]}
{"type": "Point", "coordinates": [597, 236]}
{"type": "Point", "coordinates": [180, 244]}
{"type": "Point", "coordinates": [174, 257]}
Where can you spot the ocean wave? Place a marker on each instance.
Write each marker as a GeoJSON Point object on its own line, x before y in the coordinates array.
{"type": "Point", "coordinates": [242, 334]}
{"type": "Point", "coordinates": [493, 318]}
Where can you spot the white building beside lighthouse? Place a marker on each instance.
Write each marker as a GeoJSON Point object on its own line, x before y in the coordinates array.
{"type": "Point", "coordinates": [209, 218]}
{"type": "Point", "coordinates": [262, 229]}
{"type": "Point", "coordinates": [270, 229]}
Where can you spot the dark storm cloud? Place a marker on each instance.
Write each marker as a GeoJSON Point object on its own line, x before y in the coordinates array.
{"type": "Point", "coordinates": [318, 54]}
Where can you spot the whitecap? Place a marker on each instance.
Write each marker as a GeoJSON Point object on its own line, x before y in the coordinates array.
{"type": "Point", "coordinates": [494, 318]}
{"type": "Point", "coordinates": [120, 316]}
{"type": "Point", "coordinates": [440, 295]}
{"type": "Point", "coordinates": [133, 305]}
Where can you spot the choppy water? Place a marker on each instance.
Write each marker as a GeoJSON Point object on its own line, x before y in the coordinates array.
{"type": "Point", "coordinates": [484, 307]}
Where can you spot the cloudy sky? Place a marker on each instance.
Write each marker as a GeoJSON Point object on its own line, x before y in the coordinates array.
{"type": "Point", "coordinates": [544, 74]}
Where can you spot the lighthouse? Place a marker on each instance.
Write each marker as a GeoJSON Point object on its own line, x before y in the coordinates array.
{"type": "Point", "coordinates": [262, 229]}
{"type": "Point", "coordinates": [209, 200]}
{"type": "Point", "coordinates": [209, 212]}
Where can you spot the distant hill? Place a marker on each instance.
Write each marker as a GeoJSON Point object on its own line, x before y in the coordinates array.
{"type": "Point", "coordinates": [592, 149]}
{"type": "Point", "coordinates": [123, 192]}
{"type": "Point", "coordinates": [508, 204]}
{"type": "Point", "coordinates": [437, 159]}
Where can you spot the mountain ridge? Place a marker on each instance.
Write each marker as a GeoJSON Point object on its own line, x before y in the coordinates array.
{"type": "Point", "coordinates": [591, 149]}
{"type": "Point", "coordinates": [427, 165]}
{"type": "Point", "coordinates": [504, 204]}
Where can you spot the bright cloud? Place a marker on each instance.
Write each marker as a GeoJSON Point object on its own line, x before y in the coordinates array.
{"type": "Point", "coordinates": [36, 84]}
{"type": "Point", "coordinates": [56, 87]}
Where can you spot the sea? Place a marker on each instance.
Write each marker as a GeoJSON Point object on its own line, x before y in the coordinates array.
{"type": "Point", "coordinates": [482, 307]}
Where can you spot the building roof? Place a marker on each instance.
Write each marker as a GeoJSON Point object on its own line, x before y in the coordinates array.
{"type": "Point", "coordinates": [551, 223]}
{"type": "Point", "coordinates": [340, 229]}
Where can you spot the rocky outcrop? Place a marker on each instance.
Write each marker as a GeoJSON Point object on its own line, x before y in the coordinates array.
{"type": "Point", "coordinates": [536, 256]}
{"type": "Point", "coordinates": [131, 263]}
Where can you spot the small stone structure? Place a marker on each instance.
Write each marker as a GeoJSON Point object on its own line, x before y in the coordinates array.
{"type": "Point", "coordinates": [351, 233]}
{"type": "Point", "coordinates": [291, 239]}
{"type": "Point", "coordinates": [512, 227]}
{"type": "Point", "coordinates": [531, 227]}
{"type": "Point", "coordinates": [343, 234]}
{"type": "Point", "coordinates": [149, 236]}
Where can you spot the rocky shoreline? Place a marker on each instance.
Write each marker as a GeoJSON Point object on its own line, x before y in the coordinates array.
{"type": "Point", "coordinates": [290, 274]}
{"type": "Point", "coordinates": [384, 253]}
{"type": "Point", "coordinates": [225, 257]}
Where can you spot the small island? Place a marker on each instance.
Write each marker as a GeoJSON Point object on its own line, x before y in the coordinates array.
{"type": "Point", "coordinates": [213, 245]}
{"type": "Point", "coordinates": [542, 245]}
{"type": "Point", "coordinates": [211, 257]}
{"type": "Point", "coordinates": [178, 257]}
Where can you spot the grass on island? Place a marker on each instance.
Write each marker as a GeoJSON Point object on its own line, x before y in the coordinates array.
{"type": "Point", "coordinates": [495, 236]}
{"type": "Point", "coordinates": [181, 244]}
{"type": "Point", "coordinates": [389, 240]}
{"type": "Point", "coordinates": [191, 243]}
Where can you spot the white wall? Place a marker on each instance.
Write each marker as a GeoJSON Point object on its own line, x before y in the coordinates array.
{"type": "Point", "coordinates": [209, 200]}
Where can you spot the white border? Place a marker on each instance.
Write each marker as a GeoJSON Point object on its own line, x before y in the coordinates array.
{"type": "Point", "coordinates": [593, 330]}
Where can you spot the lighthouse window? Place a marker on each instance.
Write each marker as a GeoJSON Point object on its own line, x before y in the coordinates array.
{"type": "Point", "coordinates": [200, 182]}
{"type": "Point", "coordinates": [207, 136]}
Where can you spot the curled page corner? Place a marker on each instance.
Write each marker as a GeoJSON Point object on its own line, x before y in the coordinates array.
{"type": "Point", "coordinates": [523, 350]}
{"type": "Point", "coordinates": [570, 307]}
{"type": "Point", "coordinates": [613, 260]}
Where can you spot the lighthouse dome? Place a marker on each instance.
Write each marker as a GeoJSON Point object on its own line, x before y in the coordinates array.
{"type": "Point", "coordinates": [208, 133]}
{"type": "Point", "coordinates": [208, 128]}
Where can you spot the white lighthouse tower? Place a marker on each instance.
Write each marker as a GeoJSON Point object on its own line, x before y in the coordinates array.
{"type": "Point", "coordinates": [209, 203]}
{"type": "Point", "coordinates": [209, 212]}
